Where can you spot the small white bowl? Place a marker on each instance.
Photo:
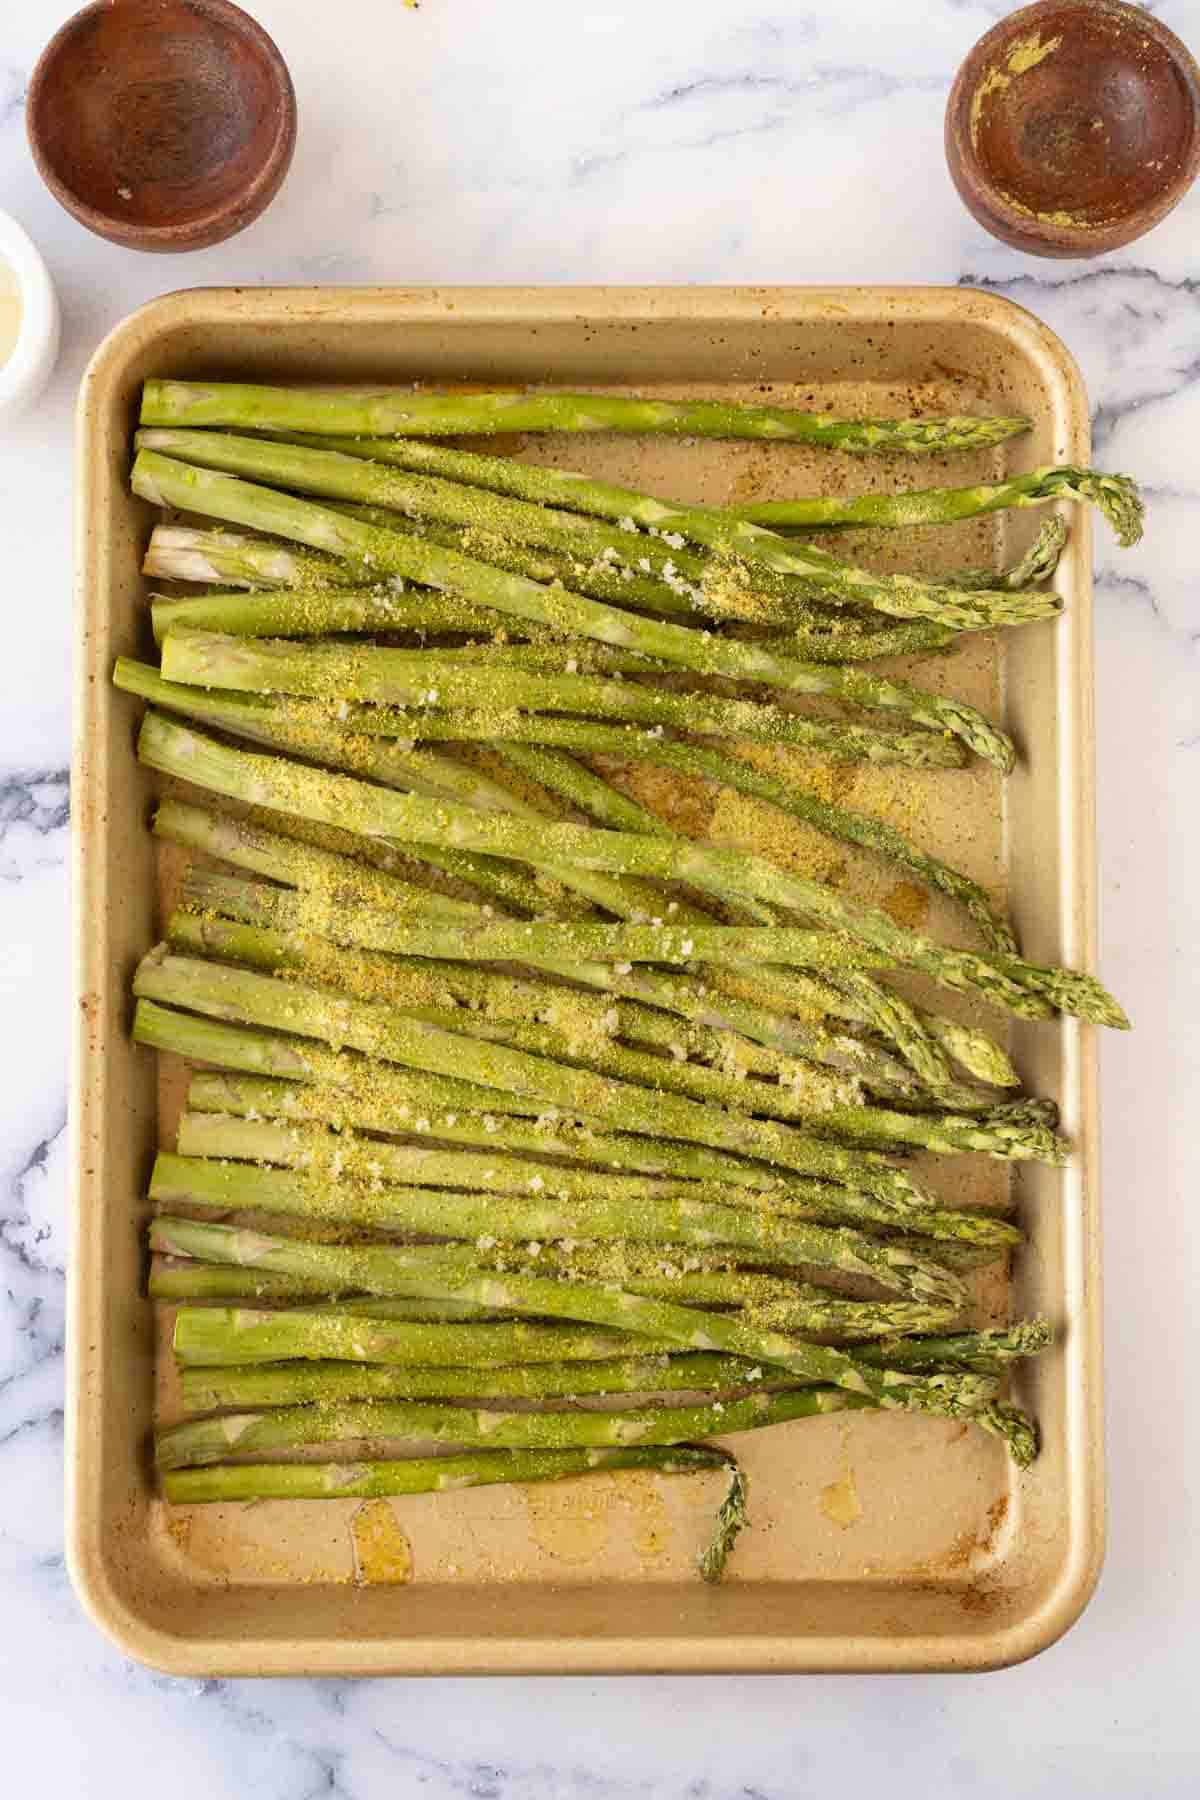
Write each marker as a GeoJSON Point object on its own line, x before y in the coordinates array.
{"type": "Point", "coordinates": [28, 369]}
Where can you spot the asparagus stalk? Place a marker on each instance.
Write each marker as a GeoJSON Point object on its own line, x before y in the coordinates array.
{"type": "Point", "coordinates": [292, 728]}
{"type": "Point", "coordinates": [196, 1181]}
{"type": "Point", "coordinates": [349, 1091]}
{"type": "Point", "coordinates": [1036, 565]}
{"type": "Point", "coordinates": [341, 878]}
{"type": "Point", "coordinates": [837, 822]}
{"type": "Point", "coordinates": [330, 475]}
{"type": "Point", "coordinates": [228, 558]}
{"type": "Point", "coordinates": [291, 1384]}
{"type": "Point", "coordinates": [166, 482]}
{"type": "Point", "coordinates": [240, 1482]}
{"type": "Point", "coordinates": [610, 577]}
{"type": "Point", "coordinates": [502, 941]}
{"type": "Point", "coordinates": [770, 561]}
{"type": "Point", "coordinates": [344, 879]}
{"type": "Point", "coordinates": [987, 1352]}
{"type": "Point", "coordinates": [353, 737]}
{"type": "Point", "coordinates": [806, 996]}
{"type": "Point", "coordinates": [1023, 987]}
{"type": "Point", "coordinates": [729, 1032]}
{"type": "Point", "coordinates": [316, 612]}
{"type": "Point", "coordinates": [326, 1178]}
{"type": "Point", "coordinates": [1115, 496]}
{"type": "Point", "coordinates": [334, 1157]}
{"type": "Point", "coordinates": [415, 414]}
{"type": "Point", "coordinates": [231, 993]}
{"type": "Point", "coordinates": [611, 808]}
{"type": "Point", "coordinates": [269, 722]}
{"type": "Point", "coordinates": [474, 700]}
{"type": "Point", "coordinates": [393, 1271]}
{"type": "Point", "coordinates": [803, 1307]}
{"type": "Point", "coordinates": [346, 882]}
{"type": "Point", "coordinates": [174, 1280]}
{"type": "Point", "coordinates": [213, 1336]}
{"type": "Point", "coordinates": [201, 1441]}
{"type": "Point", "coordinates": [402, 1097]}
{"type": "Point", "coordinates": [577, 1030]}
{"type": "Point", "coordinates": [829, 1105]}
{"type": "Point", "coordinates": [182, 554]}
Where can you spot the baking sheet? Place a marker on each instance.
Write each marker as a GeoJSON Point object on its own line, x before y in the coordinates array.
{"type": "Point", "coordinates": [877, 1541]}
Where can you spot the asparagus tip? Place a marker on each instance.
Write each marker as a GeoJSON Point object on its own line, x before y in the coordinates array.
{"type": "Point", "coordinates": [731, 1521]}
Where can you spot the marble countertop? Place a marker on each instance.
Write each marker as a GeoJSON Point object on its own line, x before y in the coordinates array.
{"type": "Point", "coordinates": [669, 141]}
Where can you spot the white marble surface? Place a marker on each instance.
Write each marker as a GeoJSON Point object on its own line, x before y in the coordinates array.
{"type": "Point", "coordinates": [671, 140]}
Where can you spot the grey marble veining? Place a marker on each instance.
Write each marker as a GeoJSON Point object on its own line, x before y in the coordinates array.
{"type": "Point", "coordinates": [674, 140]}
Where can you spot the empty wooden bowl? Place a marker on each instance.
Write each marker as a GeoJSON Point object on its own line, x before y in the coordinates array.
{"type": "Point", "coordinates": [1072, 128]}
{"type": "Point", "coordinates": [162, 124]}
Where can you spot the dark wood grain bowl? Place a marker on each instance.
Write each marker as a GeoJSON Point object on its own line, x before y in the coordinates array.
{"type": "Point", "coordinates": [1074, 126]}
{"type": "Point", "coordinates": [162, 124]}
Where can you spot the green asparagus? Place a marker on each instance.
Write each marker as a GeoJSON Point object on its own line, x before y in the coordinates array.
{"type": "Point", "coordinates": [1022, 987]}
{"type": "Point", "coordinates": [345, 412]}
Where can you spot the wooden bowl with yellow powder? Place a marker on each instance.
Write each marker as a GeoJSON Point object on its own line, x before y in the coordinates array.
{"type": "Point", "coordinates": [1072, 128]}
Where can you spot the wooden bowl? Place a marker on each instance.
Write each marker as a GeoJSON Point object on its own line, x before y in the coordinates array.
{"type": "Point", "coordinates": [1074, 126]}
{"type": "Point", "coordinates": [162, 124]}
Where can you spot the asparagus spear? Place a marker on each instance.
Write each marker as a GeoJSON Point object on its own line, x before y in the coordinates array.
{"type": "Point", "coordinates": [200, 1441]}
{"type": "Point", "coordinates": [330, 475]}
{"type": "Point", "coordinates": [1116, 496]}
{"type": "Point", "coordinates": [354, 737]}
{"type": "Point", "coordinates": [988, 1352]}
{"type": "Point", "coordinates": [347, 882]}
{"type": "Point", "coordinates": [404, 1272]}
{"type": "Point", "coordinates": [771, 562]}
{"type": "Point", "coordinates": [173, 1280]}
{"type": "Point", "coordinates": [344, 879]}
{"type": "Point", "coordinates": [290, 728]}
{"type": "Point", "coordinates": [1023, 987]}
{"type": "Point", "coordinates": [393, 1271]}
{"type": "Point", "coordinates": [677, 589]}
{"type": "Point", "coordinates": [612, 808]}
{"type": "Point", "coordinates": [346, 412]}
{"type": "Point", "coordinates": [240, 1482]}
{"type": "Point", "coordinates": [470, 699]}
{"type": "Point", "coordinates": [290, 1384]}
{"type": "Point", "coordinates": [577, 1030]}
{"type": "Point", "coordinates": [213, 1336]}
{"type": "Point", "coordinates": [182, 554]}
{"type": "Point", "coordinates": [350, 1090]}
{"type": "Point", "coordinates": [169, 483]}
{"type": "Point", "coordinates": [231, 993]}
{"type": "Point", "coordinates": [264, 721]}
{"type": "Point", "coordinates": [254, 1097]}
{"type": "Point", "coordinates": [316, 612]}
{"type": "Point", "coordinates": [489, 940]}
{"type": "Point", "coordinates": [828, 1105]}
{"type": "Point", "coordinates": [802, 1307]}
{"type": "Point", "coordinates": [726, 1032]}
{"type": "Point", "coordinates": [562, 1019]}
{"type": "Point", "coordinates": [403, 1097]}
{"type": "Point", "coordinates": [328, 1179]}
{"type": "Point", "coordinates": [325, 1156]}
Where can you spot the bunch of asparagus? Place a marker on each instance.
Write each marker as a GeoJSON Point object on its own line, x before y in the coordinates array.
{"type": "Point", "coordinates": [510, 1087]}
